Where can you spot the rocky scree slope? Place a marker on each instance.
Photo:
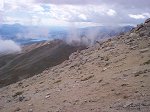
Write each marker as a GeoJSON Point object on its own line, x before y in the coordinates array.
{"type": "Point", "coordinates": [111, 76]}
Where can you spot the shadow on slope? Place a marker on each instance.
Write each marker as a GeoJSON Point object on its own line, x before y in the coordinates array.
{"type": "Point", "coordinates": [35, 61]}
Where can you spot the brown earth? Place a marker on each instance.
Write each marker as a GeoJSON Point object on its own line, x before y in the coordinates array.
{"type": "Point", "coordinates": [33, 60]}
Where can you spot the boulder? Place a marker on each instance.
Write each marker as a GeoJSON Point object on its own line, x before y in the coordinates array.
{"type": "Point", "coordinates": [147, 20]}
{"type": "Point", "coordinates": [139, 27]}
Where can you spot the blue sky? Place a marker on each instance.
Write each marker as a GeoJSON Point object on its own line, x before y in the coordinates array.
{"type": "Point", "coordinates": [74, 12]}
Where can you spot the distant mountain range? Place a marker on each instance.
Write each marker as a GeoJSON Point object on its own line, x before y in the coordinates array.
{"type": "Point", "coordinates": [29, 34]}
{"type": "Point", "coordinates": [33, 34]}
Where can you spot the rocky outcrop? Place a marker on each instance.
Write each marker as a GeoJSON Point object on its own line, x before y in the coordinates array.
{"type": "Point", "coordinates": [143, 29]}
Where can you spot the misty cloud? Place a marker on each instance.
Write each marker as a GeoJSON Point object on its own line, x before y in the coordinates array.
{"type": "Point", "coordinates": [8, 47]}
{"type": "Point", "coordinates": [86, 37]}
{"type": "Point", "coordinates": [36, 32]}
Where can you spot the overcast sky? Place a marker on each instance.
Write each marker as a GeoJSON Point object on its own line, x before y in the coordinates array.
{"type": "Point", "coordinates": [74, 12]}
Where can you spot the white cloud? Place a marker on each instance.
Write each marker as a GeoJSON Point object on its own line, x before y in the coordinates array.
{"type": "Point", "coordinates": [61, 12]}
{"type": "Point", "coordinates": [139, 16]}
{"type": "Point", "coordinates": [1, 4]}
{"type": "Point", "coordinates": [111, 12]}
{"type": "Point", "coordinates": [83, 17]}
{"type": "Point", "coordinates": [36, 8]}
{"type": "Point", "coordinates": [147, 14]}
{"type": "Point", "coordinates": [79, 13]}
{"type": "Point", "coordinates": [8, 47]}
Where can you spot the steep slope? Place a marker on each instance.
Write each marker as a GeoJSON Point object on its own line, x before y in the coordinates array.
{"type": "Point", "coordinates": [34, 60]}
{"type": "Point", "coordinates": [111, 76]}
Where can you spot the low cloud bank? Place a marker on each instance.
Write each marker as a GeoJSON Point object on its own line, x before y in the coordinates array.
{"type": "Point", "coordinates": [9, 47]}
{"type": "Point", "coordinates": [87, 37]}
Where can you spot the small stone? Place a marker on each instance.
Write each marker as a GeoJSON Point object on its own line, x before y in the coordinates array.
{"type": "Point", "coordinates": [26, 85]}
{"type": "Point", "coordinates": [133, 47]}
{"type": "Point", "coordinates": [85, 100]}
{"type": "Point", "coordinates": [36, 91]}
{"type": "Point", "coordinates": [125, 75]}
{"type": "Point", "coordinates": [41, 82]}
{"type": "Point", "coordinates": [27, 99]}
{"type": "Point", "coordinates": [112, 89]}
{"type": "Point", "coordinates": [30, 110]}
{"type": "Point", "coordinates": [136, 75]}
{"type": "Point", "coordinates": [145, 75]}
{"type": "Point", "coordinates": [21, 98]}
{"type": "Point", "coordinates": [30, 104]}
{"type": "Point", "coordinates": [104, 69]}
{"type": "Point", "coordinates": [47, 96]}
{"type": "Point", "coordinates": [126, 96]}
{"type": "Point", "coordinates": [124, 85]}
{"type": "Point", "coordinates": [105, 84]}
{"type": "Point", "coordinates": [65, 101]}
{"type": "Point", "coordinates": [144, 50]}
{"type": "Point", "coordinates": [8, 101]}
{"type": "Point", "coordinates": [100, 80]}
{"type": "Point", "coordinates": [20, 84]}
{"type": "Point", "coordinates": [128, 103]}
{"type": "Point", "coordinates": [18, 93]}
{"type": "Point", "coordinates": [17, 109]}
{"type": "Point", "coordinates": [117, 93]}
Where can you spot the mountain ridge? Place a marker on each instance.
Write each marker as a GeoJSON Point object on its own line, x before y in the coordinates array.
{"type": "Point", "coordinates": [34, 59]}
{"type": "Point", "coordinates": [110, 76]}
{"type": "Point", "coordinates": [30, 34]}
